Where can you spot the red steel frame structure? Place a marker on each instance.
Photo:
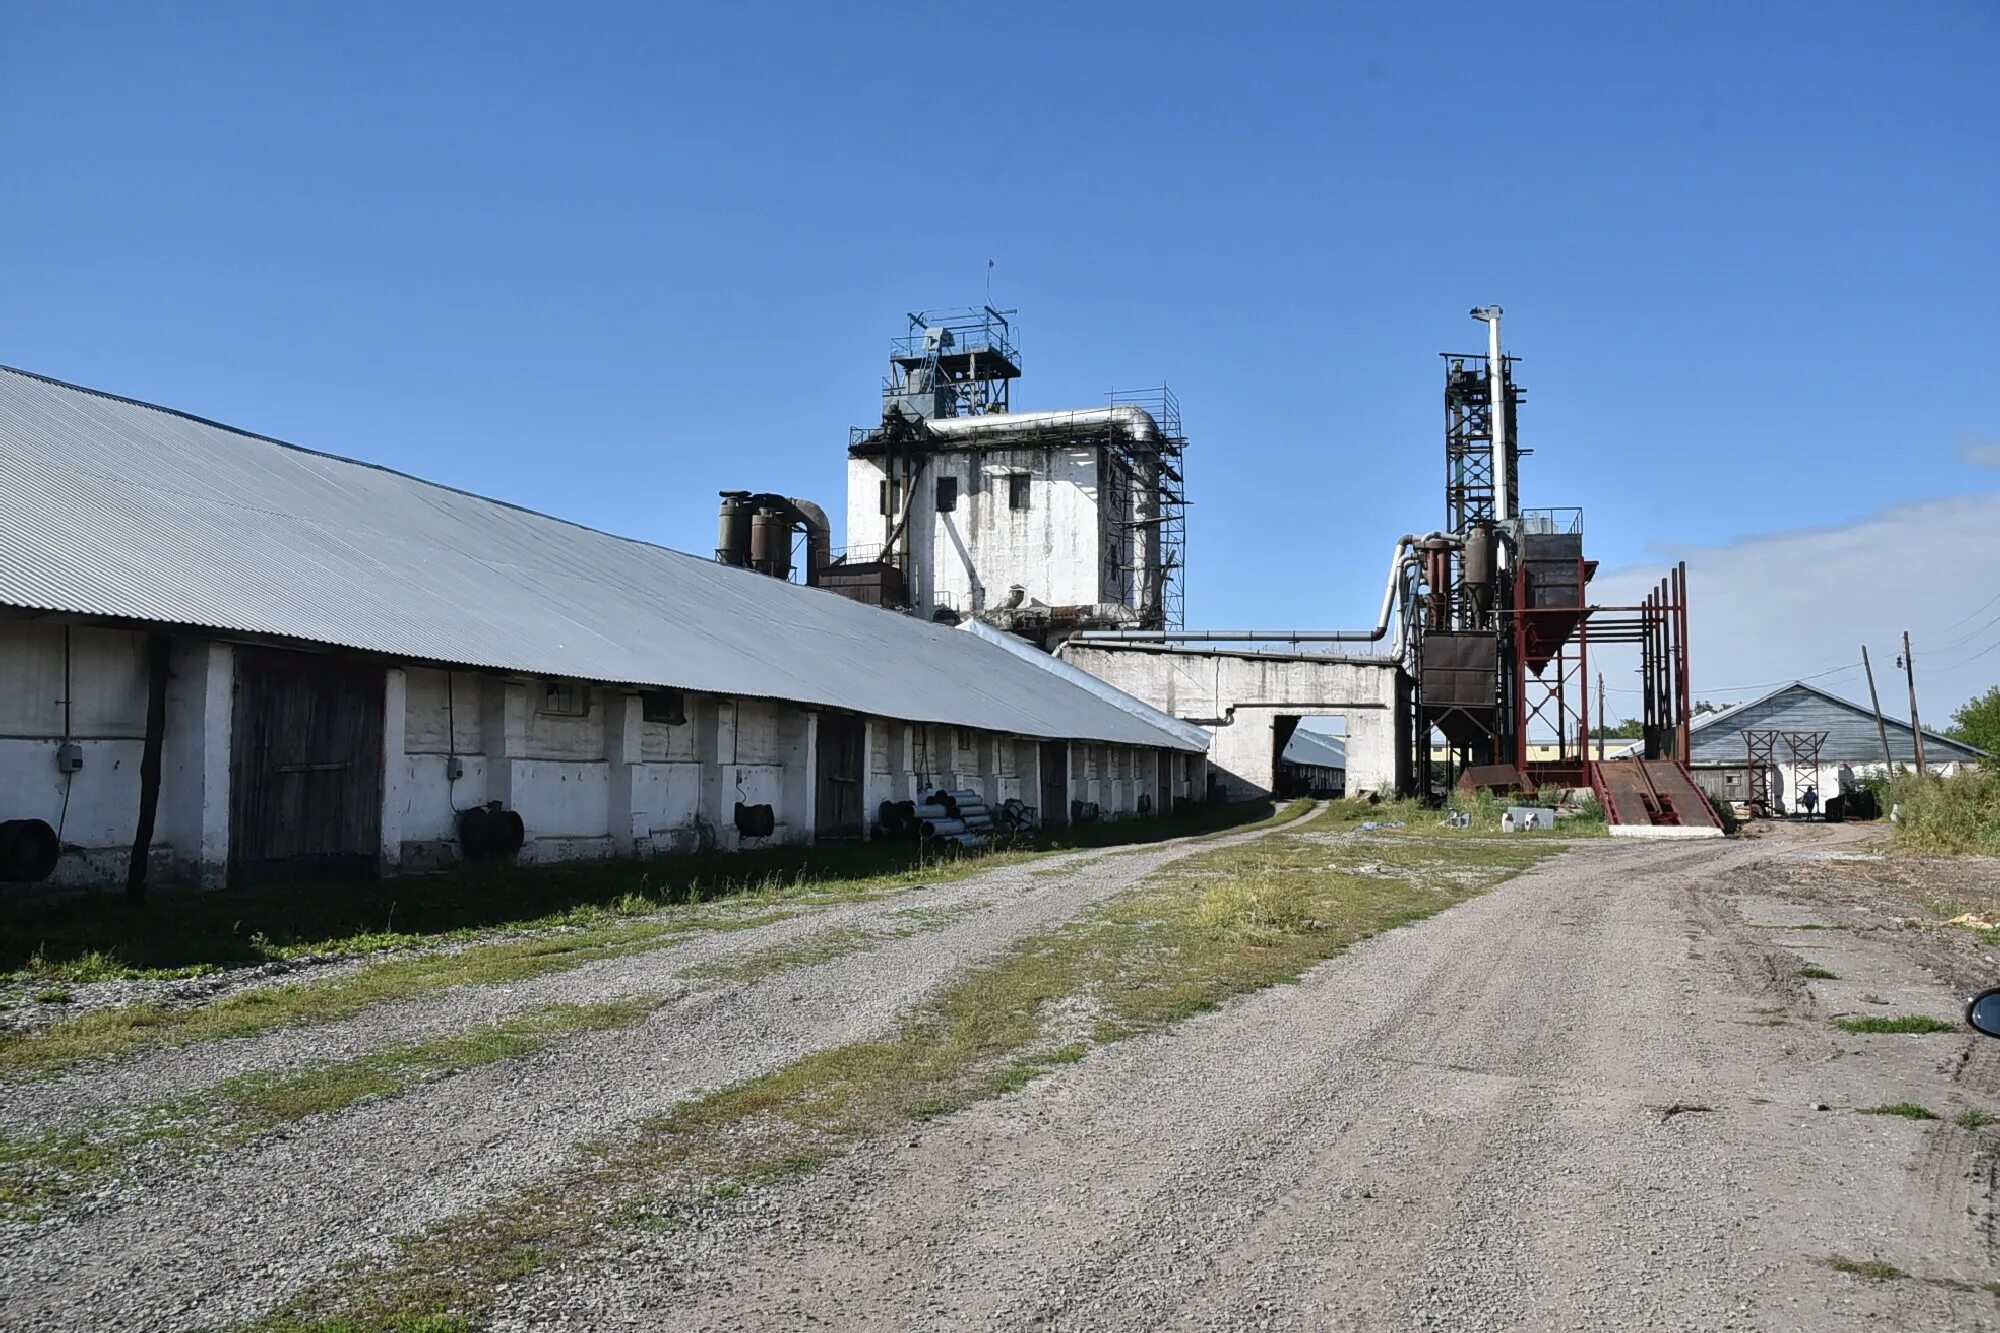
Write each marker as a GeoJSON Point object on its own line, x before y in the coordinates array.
{"type": "Point", "coordinates": [1550, 666]}
{"type": "Point", "coordinates": [1801, 748]}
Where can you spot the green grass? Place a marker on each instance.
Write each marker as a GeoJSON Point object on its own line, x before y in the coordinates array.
{"type": "Point", "coordinates": [1205, 929]}
{"type": "Point", "coordinates": [1881, 1270]}
{"type": "Point", "coordinates": [1907, 1110]}
{"type": "Point", "coordinates": [1484, 808]}
{"type": "Point", "coordinates": [824, 946]}
{"type": "Point", "coordinates": [53, 995]}
{"type": "Point", "coordinates": [174, 935]}
{"type": "Point", "coordinates": [1811, 973]}
{"type": "Point", "coordinates": [125, 1030]}
{"type": "Point", "coordinates": [1955, 815]}
{"type": "Point", "coordinates": [1974, 1120]}
{"type": "Point", "coordinates": [1875, 1270]}
{"type": "Point", "coordinates": [597, 903]}
{"type": "Point", "coordinates": [36, 1173]}
{"type": "Point", "coordinates": [1890, 1026]}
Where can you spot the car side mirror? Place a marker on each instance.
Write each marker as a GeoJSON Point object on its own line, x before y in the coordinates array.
{"type": "Point", "coordinates": [1982, 1012]}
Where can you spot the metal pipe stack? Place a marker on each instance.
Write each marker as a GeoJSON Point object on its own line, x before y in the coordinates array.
{"type": "Point", "coordinates": [961, 817]}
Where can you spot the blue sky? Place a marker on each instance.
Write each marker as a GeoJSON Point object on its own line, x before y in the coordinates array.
{"type": "Point", "coordinates": [605, 260]}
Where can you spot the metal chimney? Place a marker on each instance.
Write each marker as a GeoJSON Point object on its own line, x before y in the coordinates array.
{"type": "Point", "coordinates": [1496, 373]}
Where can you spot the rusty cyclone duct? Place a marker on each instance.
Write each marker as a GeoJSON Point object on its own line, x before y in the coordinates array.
{"type": "Point", "coordinates": [770, 543]}
{"type": "Point", "coordinates": [755, 531]}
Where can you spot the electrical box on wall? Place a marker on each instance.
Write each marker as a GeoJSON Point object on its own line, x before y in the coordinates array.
{"type": "Point", "coordinates": [454, 769]}
{"type": "Point", "coordinates": [69, 757]}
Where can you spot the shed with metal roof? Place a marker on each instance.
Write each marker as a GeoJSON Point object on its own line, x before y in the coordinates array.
{"type": "Point", "coordinates": [611, 691]}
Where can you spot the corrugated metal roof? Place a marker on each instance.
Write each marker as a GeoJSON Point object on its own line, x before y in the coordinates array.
{"type": "Point", "coordinates": [111, 507]}
{"type": "Point", "coordinates": [1197, 738]}
{"type": "Point", "coordinates": [1315, 748]}
{"type": "Point", "coordinates": [1717, 738]}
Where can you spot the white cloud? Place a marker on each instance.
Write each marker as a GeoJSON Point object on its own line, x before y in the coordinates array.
{"type": "Point", "coordinates": [1980, 450]}
{"type": "Point", "coordinates": [1785, 605]}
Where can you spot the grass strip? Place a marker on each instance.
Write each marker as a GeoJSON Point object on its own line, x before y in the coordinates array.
{"type": "Point", "coordinates": [172, 935]}
{"type": "Point", "coordinates": [132, 1028]}
{"type": "Point", "coordinates": [1907, 1110]}
{"type": "Point", "coordinates": [1881, 1270]}
{"type": "Point", "coordinates": [825, 946]}
{"type": "Point", "coordinates": [1217, 925]}
{"type": "Point", "coordinates": [38, 1173]}
{"type": "Point", "coordinates": [1482, 809]}
{"type": "Point", "coordinates": [1909, 1023]}
{"type": "Point", "coordinates": [606, 930]}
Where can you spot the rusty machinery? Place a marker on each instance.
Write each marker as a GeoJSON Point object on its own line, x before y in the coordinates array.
{"type": "Point", "coordinates": [1504, 625]}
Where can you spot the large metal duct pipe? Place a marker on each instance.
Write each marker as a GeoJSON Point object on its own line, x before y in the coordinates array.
{"type": "Point", "coordinates": [1134, 423]}
{"type": "Point", "coordinates": [819, 537]}
{"type": "Point", "coordinates": [1398, 561]}
{"type": "Point", "coordinates": [1496, 389]}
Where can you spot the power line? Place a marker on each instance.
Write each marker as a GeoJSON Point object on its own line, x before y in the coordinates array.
{"type": "Point", "coordinates": [1745, 689]}
{"type": "Point", "coordinates": [1971, 634]}
{"type": "Point", "coordinates": [1991, 601]}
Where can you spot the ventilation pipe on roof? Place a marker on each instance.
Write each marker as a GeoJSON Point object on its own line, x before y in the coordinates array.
{"type": "Point", "coordinates": [756, 529]}
{"type": "Point", "coordinates": [1399, 560]}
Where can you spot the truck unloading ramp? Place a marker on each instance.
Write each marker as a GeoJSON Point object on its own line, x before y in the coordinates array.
{"type": "Point", "coordinates": [1652, 794]}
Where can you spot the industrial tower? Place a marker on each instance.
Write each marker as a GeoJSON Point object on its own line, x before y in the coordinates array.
{"type": "Point", "coordinates": [1038, 522]}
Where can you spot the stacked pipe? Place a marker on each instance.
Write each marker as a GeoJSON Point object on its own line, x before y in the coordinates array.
{"type": "Point", "coordinates": [956, 816]}
{"type": "Point", "coordinates": [960, 817]}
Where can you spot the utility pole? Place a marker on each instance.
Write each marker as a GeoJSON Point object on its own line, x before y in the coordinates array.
{"type": "Point", "coordinates": [1881, 727]}
{"type": "Point", "coordinates": [1603, 718]}
{"type": "Point", "coordinates": [1916, 727]}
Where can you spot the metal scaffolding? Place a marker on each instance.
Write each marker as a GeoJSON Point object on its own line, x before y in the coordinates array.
{"type": "Point", "coordinates": [1468, 456]}
{"type": "Point", "coordinates": [1154, 523]}
{"type": "Point", "coordinates": [962, 363]}
{"type": "Point", "coordinates": [1801, 748]}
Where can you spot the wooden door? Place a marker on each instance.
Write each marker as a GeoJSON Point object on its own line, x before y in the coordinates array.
{"type": "Point", "coordinates": [843, 762]}
{"type": "Point", "coordinates": [1055, 784]}
{"type": "Point", "coordinates": [305, 769]}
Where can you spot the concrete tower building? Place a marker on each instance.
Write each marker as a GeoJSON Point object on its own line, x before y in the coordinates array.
{"type": "Point", "coordinates": [1039, 522]}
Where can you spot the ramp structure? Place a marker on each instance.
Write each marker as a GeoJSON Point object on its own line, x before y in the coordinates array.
{"type": "Point", "coordinates": [1652, 796]}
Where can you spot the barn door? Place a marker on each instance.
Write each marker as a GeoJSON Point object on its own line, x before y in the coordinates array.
{"type": "Point", "coordinates": [1055, 784]}
{"type": "Point", "coordinates": [1165, 800]}
{"type": "Point", "coordinates": [843, 757]}
{"type": "Point", "coordinates": [305, 768]}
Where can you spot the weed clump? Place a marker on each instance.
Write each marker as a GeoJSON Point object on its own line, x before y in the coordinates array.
{"type": "Point", "coordinates": [1909, 1024]}
{"type": "Point", "coordinates": [1955, 815]}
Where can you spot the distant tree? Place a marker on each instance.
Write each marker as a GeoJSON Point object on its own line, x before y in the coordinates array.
{"type": "Point", "coordinates": [1704, 706]}
{"type": "Point", "coordinates": [1977, 722]}
{"type": "Point", "coordinates": [1627, 730]}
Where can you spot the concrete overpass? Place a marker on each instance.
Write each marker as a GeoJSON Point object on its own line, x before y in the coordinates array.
{"type": "Point", "coordinates": [1250, 700]}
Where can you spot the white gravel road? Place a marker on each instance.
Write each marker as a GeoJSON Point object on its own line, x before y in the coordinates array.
{"type": "Point", "coordinates": [228, 1238]}
{"type": "Point", "coordinates": [1597, 1097]}
{"type": "Point", "coordinates": [1572, 1103]}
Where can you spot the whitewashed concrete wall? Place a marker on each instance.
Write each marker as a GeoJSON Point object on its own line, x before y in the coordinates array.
{"type": "Point", "coordinates": [603, 782]}
{"type": "Point", "coordinates": [107, 686]}
{"type": "Point", "coordinates": [1240, 698]}
{"type": "Point", "coordinates": [1060, 548]}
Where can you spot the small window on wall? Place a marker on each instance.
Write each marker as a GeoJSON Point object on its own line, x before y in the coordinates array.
{"type": "Point", "coordinates": [964, 738]}
{"type": "Point", "coordinates": [564, 698]}
{"type": "Point", "coordinates": [947, 494]}
{"type": "Point", "coordinates": [662, 706]}
{"type": "Point", "coordinates": [1017, 491]}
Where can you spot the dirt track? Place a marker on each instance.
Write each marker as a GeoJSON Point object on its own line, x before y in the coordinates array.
{"type": "Point", "coordinates": [1599, 1096]}
{"type": "Point", "coordinates": [1585, 1100]}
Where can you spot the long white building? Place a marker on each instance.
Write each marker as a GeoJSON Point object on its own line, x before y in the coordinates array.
{"type": "Point", "coordinates": [296, 664]}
